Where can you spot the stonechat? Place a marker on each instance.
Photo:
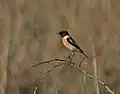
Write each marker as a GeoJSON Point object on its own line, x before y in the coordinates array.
{"type": "Point", "coordinates": [70, 43]}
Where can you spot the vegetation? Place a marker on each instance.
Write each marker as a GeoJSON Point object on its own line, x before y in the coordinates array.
{"type": "Point", "coordinates": [28, 36]}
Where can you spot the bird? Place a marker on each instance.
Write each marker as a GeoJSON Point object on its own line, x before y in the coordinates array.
{"type": "Point", "coordinates": [70, 43]}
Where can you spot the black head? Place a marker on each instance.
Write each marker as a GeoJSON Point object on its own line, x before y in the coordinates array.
{"type": "Point", "coordinates": [63, 33]}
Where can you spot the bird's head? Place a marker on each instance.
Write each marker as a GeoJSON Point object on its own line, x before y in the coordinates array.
{"type": "Point", "coordinates": [63, 33]}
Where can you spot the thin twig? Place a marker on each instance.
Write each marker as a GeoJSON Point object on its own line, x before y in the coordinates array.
{"type": "Point", "coordinates": [76, 66]}
{"type": "Point", "coordinates": [49, 61]}
{"type": "Point", "coordinates": [53, 67]}
{"type": "Point", "coordinates": [91, 76]}
{"type": "Point", "coordinates": [41, 63]}
{"type": "Point", "coordinates": [81, 61]}
{"type": "Point", "coordinates": [35, 90]}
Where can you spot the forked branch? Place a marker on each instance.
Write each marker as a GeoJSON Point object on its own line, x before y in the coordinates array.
{"type": "Point", "coordinates": [65, 61]}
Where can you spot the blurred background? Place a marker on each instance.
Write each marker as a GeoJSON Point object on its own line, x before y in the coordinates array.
{"type": "Point", "coordinates": [28, 35]}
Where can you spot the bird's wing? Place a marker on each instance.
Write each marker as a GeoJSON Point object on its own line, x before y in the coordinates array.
{"type": "Point", "coordinates": [72, 42]}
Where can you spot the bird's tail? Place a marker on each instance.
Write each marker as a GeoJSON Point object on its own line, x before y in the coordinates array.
{"type": "Point", "coordinates": [83, 53]}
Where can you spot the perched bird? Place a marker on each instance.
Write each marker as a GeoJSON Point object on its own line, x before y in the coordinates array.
{"type": "Point", "coordinates": [70, 43]}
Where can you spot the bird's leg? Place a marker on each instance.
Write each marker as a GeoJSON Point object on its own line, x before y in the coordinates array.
{"type": "Point", "coordinates": [66, 57]}
{"type": "Point", "coordinates": [72, 55]}
{"type": "Point", "coordinates": [69, 57]}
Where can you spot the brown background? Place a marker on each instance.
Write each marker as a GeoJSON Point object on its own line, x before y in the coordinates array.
{"type": "Point", "coordinates": [28, 35]}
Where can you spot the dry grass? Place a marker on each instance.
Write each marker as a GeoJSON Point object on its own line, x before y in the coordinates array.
{"type": "Point", "coordinates": [27, 28]}
{"type": "Point", "coordinates": [96, 81]}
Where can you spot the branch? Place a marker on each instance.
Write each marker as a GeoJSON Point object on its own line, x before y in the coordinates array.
{"type": "Point", "coordinates": [62, 62]}
{"type": "Point", "coordinates": [53, 67]}
{"type": "Point", "coordinates": [81, 61]}
{"type": "Point", "coordinates": [45, 62]}
{"type": "Point", "coordinates": [35, 90]}
{"type": "Point", "coordinates": [91, 76]}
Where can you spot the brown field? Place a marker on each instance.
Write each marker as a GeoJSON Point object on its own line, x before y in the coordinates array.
{"type": "Point", "coordinates": [28, 35]}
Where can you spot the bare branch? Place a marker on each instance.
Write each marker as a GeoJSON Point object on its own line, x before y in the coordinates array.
{"type": "Point", "coordinates": [35, 90]}
{"type": "Point", "coordinates": [50, 61]}
{"type": "Point", "coordinates": [75, 66]}
{"type": "Point", "coordinates": [91, 76]}
{"type": "Point", "coordinates": [41, 63]}
{"type": "Point", "coordinates": [81, 61]}
{"type": "Point", "coordinates": [53, 67]}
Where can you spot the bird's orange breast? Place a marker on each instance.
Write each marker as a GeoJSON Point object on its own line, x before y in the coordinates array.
{"type": "Point", "coordinates": [68, 45]}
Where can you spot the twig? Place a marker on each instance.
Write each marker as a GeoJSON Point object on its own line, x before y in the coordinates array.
{"type": "Point", "coordinates": [35, 90]}
{"type": "Point", "coordinates": [53, 67]}
{"type": "Point", "coordinates": [81, 61]}
{"type": "Point", "coordinates": [41, 63]}
{"type": "Point", "coordinates": [49, 61]}
{"type": "Point", "coordinates": [91, 76]}
{"type": "Point", "coordinates": [76, 66]}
